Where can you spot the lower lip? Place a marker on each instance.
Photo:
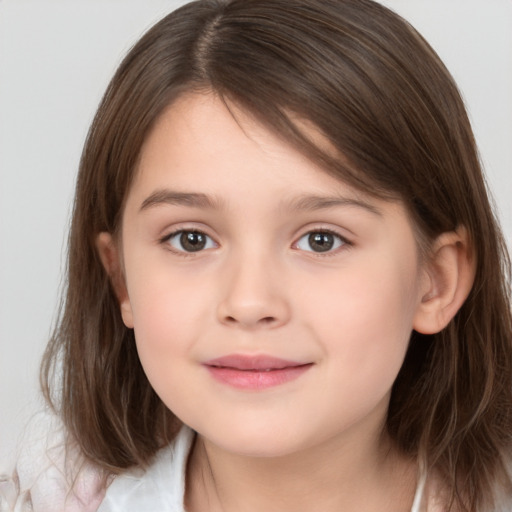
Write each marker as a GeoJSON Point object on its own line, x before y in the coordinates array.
{"type": "Point", "coordinates": [257, 379]}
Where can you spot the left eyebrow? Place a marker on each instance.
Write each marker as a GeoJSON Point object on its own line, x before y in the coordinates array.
{"type": "Point", "coordinates": [313, 203]}
{"type": "Point", "coordinates": [190, 199]}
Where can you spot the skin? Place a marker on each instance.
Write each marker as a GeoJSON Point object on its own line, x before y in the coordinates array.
{"type": "Point", "coordinates": [259, 287]}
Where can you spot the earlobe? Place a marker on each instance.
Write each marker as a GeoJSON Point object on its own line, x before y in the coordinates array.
{"type": "Point", "coordinates": [111, 260]}
{"type": "Point", "coordinates": [450, 276]}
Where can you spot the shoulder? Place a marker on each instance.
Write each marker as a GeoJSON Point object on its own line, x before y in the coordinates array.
{"type": "Point", "coordinates": [50, 476]}
{"type": "Point", "coordinates": [160, 487]}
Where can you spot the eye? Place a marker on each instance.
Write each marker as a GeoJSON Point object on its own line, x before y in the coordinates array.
{"type": "Point", "coordinates": [189, 241]}
{"type": "Point", "coordinates": [320, 241]}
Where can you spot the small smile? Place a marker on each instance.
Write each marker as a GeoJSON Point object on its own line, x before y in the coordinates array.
{"type": "Point", "coordinates": [255, 372]}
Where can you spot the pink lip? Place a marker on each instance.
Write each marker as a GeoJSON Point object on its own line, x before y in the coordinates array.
{"type": "Point", "coordinates": [254, 372]}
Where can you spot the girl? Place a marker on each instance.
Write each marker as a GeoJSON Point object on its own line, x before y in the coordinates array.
{"type": "Point", "coordinates": [286, 286]}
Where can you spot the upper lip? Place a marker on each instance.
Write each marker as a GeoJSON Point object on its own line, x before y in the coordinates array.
{"type": "Point", "coordinates": [246, 362]}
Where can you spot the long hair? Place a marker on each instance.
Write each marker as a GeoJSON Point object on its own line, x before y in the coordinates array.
{"type": "Point", "coordinates": [382, 97]}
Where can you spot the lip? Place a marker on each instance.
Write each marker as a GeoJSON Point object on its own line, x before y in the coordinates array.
{"type": "Point", "coordinates": [255, 372]}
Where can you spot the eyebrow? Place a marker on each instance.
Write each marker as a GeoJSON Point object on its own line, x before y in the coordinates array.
{"type": "Point", "coordinates": [314, 203]}
{"type": "Point", "coordinates": [191, 199]}
{"type": "Point", "coordinates": [204, 201]}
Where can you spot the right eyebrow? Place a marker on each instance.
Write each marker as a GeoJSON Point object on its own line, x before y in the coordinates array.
{"type": "Point", "coordinates": [191, 199]}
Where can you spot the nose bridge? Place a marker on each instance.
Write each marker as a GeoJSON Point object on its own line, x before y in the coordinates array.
{"type": "Point", "coordinates": [254, 293]}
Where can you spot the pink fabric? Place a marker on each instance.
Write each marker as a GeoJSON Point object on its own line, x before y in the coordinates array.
{"type": "Point", "coordinates": [50, 477]}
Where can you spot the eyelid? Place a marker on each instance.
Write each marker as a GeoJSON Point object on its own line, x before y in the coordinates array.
{"type": "Point", "coordinates": [179, 226]}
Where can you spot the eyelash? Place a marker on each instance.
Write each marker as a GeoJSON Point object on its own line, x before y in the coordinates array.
{"type": "Point", "coordinates": [343, 242]}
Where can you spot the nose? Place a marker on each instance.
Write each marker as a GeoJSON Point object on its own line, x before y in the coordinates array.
{"type": "Point", "coordinates": [253, 295]}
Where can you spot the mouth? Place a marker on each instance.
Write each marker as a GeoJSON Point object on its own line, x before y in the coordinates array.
{"type": "Point", "coordinates": [255, 372]}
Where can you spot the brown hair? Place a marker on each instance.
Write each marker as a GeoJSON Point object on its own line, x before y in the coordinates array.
{"type": "Point", "coordinates": [382, 97]}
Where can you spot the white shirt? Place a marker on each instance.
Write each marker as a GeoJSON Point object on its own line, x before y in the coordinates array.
{"type": "Point", "coordinates": [162, 487]}
{"type": "Point", "coordinates": [44, 476]}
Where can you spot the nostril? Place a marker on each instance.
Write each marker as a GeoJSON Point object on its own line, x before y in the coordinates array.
{"type": "Point", "coordinates": [262, 321]}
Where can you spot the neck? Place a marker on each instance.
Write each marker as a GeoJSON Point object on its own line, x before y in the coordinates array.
{"type": "Point", "coordinates": [336, 475]}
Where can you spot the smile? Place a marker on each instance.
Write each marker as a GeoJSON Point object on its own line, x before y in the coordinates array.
{"type": "Point", "coordinates": [255, 372]}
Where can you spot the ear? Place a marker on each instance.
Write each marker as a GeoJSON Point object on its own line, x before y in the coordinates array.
{"type": "Point", "coordinates": [111, 258]}
{"type": "Point", "coordinates": [449, 278]}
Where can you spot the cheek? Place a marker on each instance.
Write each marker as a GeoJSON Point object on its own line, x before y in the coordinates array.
{"type": "Point", "coordinates": [168, 316]}
{"type": "Point", "coordinates": [364, 318]}
{"type": "Point", "coordinates": [167, 327]}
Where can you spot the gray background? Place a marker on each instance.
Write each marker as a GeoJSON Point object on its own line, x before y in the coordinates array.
{"type": "Point", "coordinates": [56, 58]}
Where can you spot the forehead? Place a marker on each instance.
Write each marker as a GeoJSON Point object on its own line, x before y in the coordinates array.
{"type": "Point", "coordinates": [202, 141]}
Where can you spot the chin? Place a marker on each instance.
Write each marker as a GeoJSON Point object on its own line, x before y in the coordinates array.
{"type": "Point", "coordinates": [249, 442]}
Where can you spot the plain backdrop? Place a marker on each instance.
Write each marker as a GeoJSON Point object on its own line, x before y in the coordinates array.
{"type": "Point", "coordinates": [56, 58]}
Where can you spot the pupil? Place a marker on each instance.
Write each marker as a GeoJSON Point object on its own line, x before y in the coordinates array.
{"type": "Point", "coordinates": [192, 241]}
{"type": "Point", "coordinates": [321, 242]}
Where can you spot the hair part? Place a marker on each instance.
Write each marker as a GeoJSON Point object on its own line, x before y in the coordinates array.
{"type": "Point", "coordinates": [383, 99]}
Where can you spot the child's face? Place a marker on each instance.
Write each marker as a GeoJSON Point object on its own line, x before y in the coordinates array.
{"type": "Point", "coordinates": [233, 244]}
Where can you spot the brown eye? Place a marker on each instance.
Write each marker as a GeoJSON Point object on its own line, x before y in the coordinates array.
{"type": "Point", "coordinates": [190, 241]}
{"type": "Point", "coordinates": [320, 241]}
